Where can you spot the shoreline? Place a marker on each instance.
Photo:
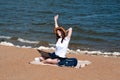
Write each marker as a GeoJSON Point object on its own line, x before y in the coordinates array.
{"type": "Point", "coordinates": [14, 66]}
{"type": "Point", "coordinates": [18, 41]}
{"type": "Point", "coordinates": [77, 51]}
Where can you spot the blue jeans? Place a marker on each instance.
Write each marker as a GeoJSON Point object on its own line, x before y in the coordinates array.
{"type": "Point", "coordinates": [70, 62]}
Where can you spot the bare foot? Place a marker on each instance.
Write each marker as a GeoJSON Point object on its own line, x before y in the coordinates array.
{"type": "Point", "coordinates": [41, 59]}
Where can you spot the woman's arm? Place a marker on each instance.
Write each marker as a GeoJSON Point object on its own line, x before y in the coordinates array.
{"type": "Point", "coordinates": [69, 31]}
{"type": "Point", "coordinates": [55, 19]}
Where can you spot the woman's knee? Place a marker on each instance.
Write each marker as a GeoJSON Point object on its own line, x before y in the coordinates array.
{"type": "Point", "coordinates": [54, 61]}
{"type": "Point", "coordinates": [48, 60]}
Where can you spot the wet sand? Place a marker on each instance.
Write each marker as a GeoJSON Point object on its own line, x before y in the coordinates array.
{"type": "Point", "coordinates": [14, 65]}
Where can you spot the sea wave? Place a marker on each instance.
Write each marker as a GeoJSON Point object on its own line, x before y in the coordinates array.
{"type": "Point", "coordinates": [27, 41]}
{"type": "Point", "coordinates": [19, 39]}
{"type": "Point", "coordinates": [6, 37]}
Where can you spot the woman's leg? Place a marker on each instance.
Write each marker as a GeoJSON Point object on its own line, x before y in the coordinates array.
{"type": "Point", "coordinates": [51, 61]}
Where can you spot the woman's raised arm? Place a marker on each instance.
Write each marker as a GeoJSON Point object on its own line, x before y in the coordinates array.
{"type": "Point", "coordinates": [69, 31]}
{"type": "Point", "coordinates": [55, 19]}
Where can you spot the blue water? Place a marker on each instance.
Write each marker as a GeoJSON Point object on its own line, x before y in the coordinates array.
{"type": "Point", "coordinates": [95, 23]}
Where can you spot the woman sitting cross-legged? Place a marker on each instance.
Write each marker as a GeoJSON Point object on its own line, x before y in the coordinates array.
{"type": "Point", "coordinates": [62, 41]}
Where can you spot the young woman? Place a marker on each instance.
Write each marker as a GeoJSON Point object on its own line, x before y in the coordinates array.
{"type": "Point", "coordinates": [62, 41]}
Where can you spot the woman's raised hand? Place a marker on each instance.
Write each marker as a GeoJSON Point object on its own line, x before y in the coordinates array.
{"type": "Point", "coordinates": [55, 19]}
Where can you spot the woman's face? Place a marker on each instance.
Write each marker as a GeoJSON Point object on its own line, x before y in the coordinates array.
{"type": "Point", "coordinates": [59, 33]}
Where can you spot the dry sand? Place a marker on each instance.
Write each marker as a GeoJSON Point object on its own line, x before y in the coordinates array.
{"type": "Point", "coordinates": [14, 65]}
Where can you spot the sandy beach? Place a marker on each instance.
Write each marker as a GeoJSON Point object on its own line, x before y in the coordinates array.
{"type": "Point", "coordinates": [14, 65]}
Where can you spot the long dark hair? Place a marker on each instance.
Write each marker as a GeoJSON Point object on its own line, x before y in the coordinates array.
{"type": "Point", "coordinates": [62, 34]}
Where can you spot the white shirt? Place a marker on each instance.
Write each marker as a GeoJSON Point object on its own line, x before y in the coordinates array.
{"type": "Point", "coordinates": [61, 48]}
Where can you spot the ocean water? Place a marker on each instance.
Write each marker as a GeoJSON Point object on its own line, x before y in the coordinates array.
{"type": "Point", "coordinates": [95, 23]}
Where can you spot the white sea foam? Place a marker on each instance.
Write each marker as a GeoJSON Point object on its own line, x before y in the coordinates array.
{"type": "Point", "coordinates": [42, 47]}
{"type": "Point", "coordinates": [6, 37]}
{"type": "Point", "coordinates": [27, 41]}
{"type": "Point", "coordinates": [6, 44]}
{"type": "Point", "coordinates": [52, 45]}
{"type": "Point", "coordinates": [23, 46]}
{"type": "Point", "coordinates": [98, 53]}
{"type": "Point", "coordinates": [11, 44]}
{"type": "Point", "coordinates": [116, 53]}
